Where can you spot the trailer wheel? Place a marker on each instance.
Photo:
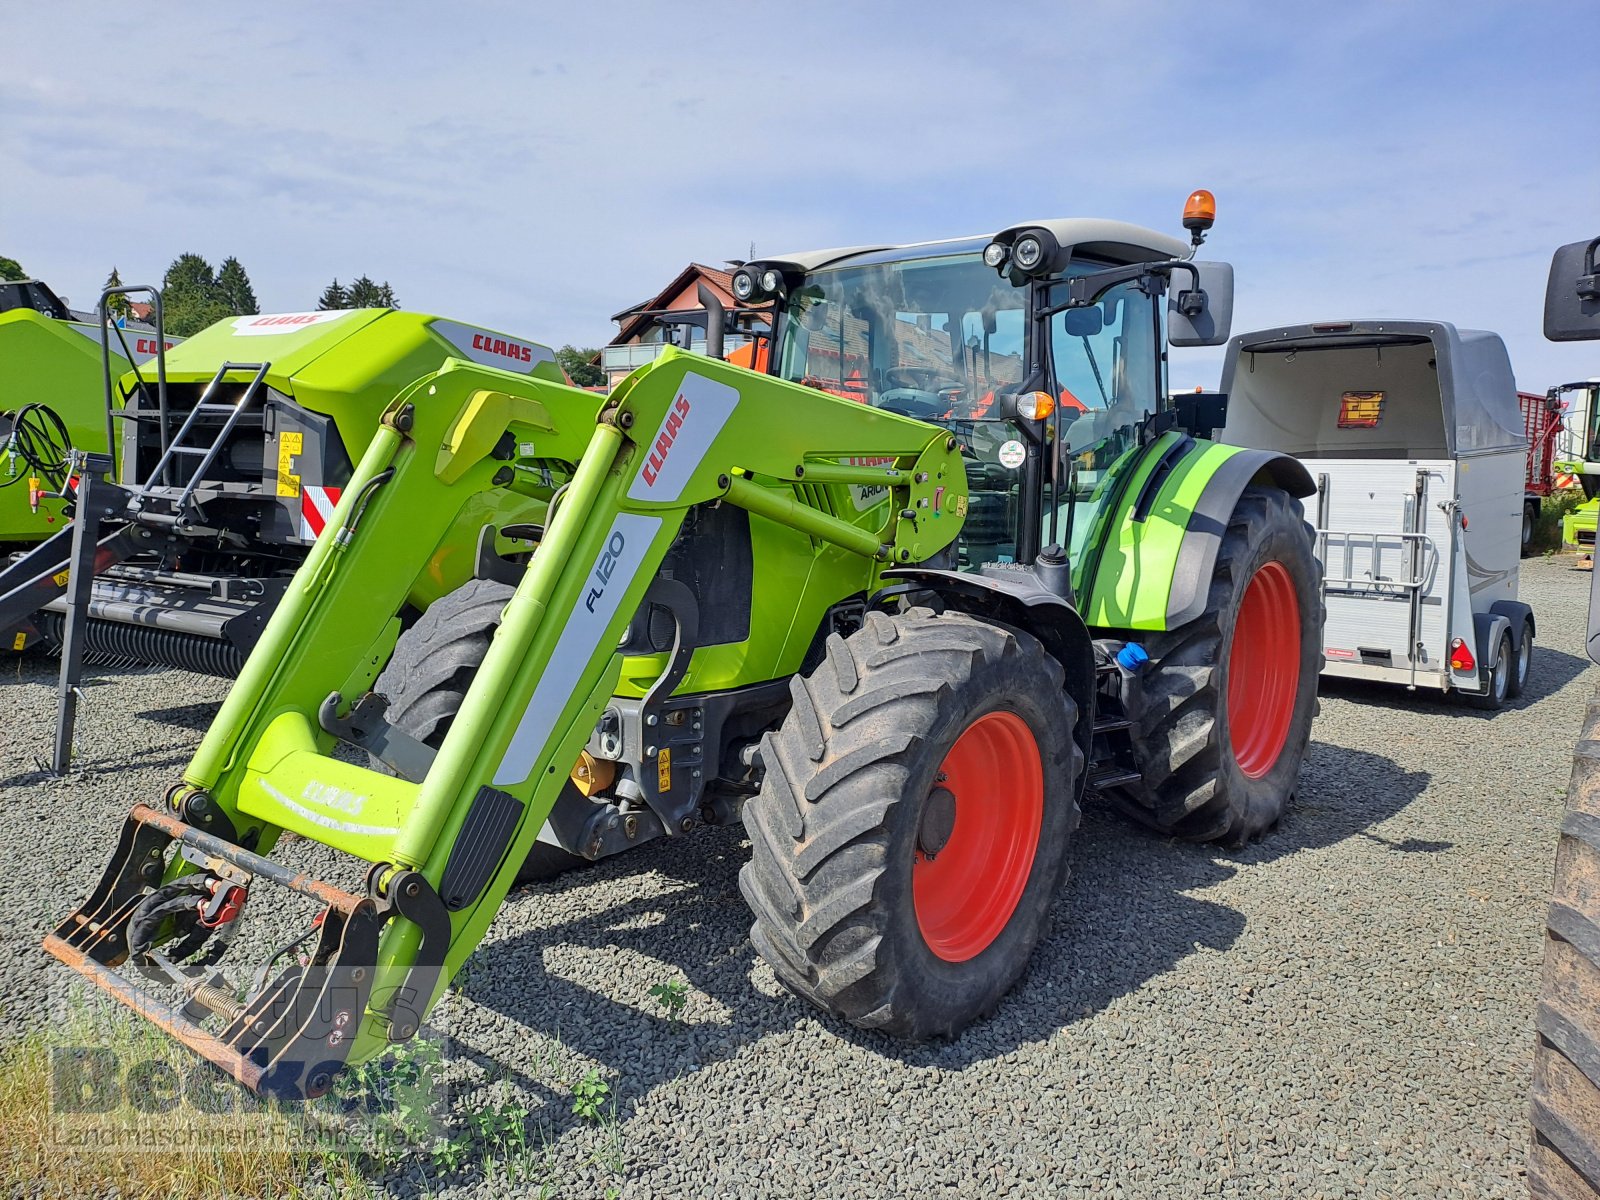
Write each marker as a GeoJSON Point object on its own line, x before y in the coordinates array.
{"type": "Point", "coordinates": [1522, 664]}
{"type": "Point", "coordinates": [1496, 679]}
{"type": "Point", "coordinates": [1530, 518]}
{"type": "Point", "coordinates": [912, 827]}
{"type": "Point", "coordinates": [1564, 1101]}
{"type": "Point", "coordinates": [428, 675]}
{"type": "Point", "coordinates": [1228, 699]}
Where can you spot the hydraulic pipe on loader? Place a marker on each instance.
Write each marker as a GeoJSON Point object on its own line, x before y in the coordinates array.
{"type": "Point", "coordinates": [682, 433]}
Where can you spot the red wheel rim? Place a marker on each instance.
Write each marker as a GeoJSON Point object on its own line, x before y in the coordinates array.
{"type": "Point", "coordinates": [965, 893]}
{"type": "Point", "coordinates": [1264, 669]}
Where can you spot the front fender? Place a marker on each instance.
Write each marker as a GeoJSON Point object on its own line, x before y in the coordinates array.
{"type": "Point", "coordinates": [1154, 573]}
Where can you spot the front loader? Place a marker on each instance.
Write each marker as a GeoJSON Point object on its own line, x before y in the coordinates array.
{"type": "Point", "coordinates": [898, 606]}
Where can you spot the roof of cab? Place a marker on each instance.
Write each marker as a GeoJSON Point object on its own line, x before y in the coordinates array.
{"type": "Point", "coordinates": [1116, 240]}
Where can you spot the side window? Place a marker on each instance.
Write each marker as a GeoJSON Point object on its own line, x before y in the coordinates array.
{"type": "Point", "coordinates": [1105, 356]}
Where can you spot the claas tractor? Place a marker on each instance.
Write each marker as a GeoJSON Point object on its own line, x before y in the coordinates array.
{"type": "Point", "coordinates": [900, 637]}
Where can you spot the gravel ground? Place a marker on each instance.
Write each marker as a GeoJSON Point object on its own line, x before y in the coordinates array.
{"type": "Point", "coordinates": [1341, 1010]}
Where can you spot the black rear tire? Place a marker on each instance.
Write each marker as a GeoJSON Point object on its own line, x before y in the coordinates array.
{"type": "Point", "coordinates": [851, 805]}
{"type": "Point", "coordinates": [1564, 1101]}
{"type": "Point", "coordinates": [1522, 665]}
{"type": "Point", "coordinates": [428, 675]}
{"type": "Point", "coordinates": [1192, 783]}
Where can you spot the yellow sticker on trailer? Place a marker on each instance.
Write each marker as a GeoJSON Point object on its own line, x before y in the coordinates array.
{"type": "Point", "coordinates": [1360, 410]}
{"type": "Point", "coordinates": [664, 771]}
{"type": "Point", "coordinates": [290, 444]}
{"type": "Point", "coordinates": [18, 642]}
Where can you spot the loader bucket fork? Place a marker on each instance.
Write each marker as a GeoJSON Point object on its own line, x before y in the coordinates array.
{"type": "Point", "coordinates": [444, 836]}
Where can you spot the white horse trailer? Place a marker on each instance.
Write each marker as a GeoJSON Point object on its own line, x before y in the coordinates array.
{"type": "Point", "coordinates": [1414, 435]}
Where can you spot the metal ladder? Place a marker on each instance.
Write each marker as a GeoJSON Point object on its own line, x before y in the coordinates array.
{"type": "Point", "coordinates": [179, 446]}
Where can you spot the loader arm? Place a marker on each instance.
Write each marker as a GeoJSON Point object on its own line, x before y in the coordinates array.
{"type": "Point", "coordinates": [681, 432]}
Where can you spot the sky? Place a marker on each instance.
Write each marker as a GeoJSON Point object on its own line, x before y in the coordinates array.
{"type": "Point", "coordinates": [537, 167]}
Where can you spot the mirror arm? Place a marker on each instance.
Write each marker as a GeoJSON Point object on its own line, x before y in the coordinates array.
{"type": "Point", "coordinates": [1086, 290]}
{"type": "Point", "coordinates": [1589, 281]}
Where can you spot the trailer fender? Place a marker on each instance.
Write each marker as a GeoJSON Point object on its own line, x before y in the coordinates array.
{"type": "Point", "coordinates": [1520, 616]}
{"type": "Point", "coordinates": [1014, 596]}
{"type": "Point", "coordinates": [1486, 629]}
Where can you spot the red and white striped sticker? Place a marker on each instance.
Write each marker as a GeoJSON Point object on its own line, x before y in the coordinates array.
{"type": "Point", "coordinates": [316, 507]}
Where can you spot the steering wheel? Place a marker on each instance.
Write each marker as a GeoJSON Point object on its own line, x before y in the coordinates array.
{"type": "Point", "coordinates": [922, 379]}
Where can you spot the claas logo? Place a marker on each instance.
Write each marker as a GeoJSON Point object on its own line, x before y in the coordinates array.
{"type": "Point", "coordinates": [494, 345]}
{"type": "Point", "coordinates": [668, 435]}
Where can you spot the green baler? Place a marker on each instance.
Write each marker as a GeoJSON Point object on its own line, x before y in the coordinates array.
{"type": "Point", "coordinates": [223, 510]}
{"type": "Point", "coordinates": [48, 358]}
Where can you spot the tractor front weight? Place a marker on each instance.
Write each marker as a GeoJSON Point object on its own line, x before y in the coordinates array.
{"type": "Point", "coordinates": [445, 834]}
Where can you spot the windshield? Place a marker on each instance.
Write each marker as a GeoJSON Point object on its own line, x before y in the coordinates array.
{"type": "Point", "coordinates": [932, 338]}
{"type": "Point", "coordinates": [940, 338]}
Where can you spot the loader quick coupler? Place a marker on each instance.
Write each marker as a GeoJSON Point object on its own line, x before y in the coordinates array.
{"type": "Point", "coordinates": [291, 1031]}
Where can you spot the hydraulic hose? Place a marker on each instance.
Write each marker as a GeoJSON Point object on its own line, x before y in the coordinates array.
{"type": "Point", "coordinates": [39, 437]}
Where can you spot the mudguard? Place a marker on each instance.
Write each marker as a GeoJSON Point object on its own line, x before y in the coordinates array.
{"type": "Point", "coordinates": [1155, 565]}
{"type": "Point", "coordinates": [1013, 595]}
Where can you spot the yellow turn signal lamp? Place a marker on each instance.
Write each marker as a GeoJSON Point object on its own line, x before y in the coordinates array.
{"type": "Point", "coordinates": [1035, 406]}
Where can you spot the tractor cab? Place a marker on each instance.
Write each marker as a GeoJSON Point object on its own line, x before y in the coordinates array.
{"type": "Point", "coordinates": [1041, 349]}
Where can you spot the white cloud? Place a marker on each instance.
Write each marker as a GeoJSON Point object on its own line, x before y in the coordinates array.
{"type": "Point", "coordinates": [537, 170]}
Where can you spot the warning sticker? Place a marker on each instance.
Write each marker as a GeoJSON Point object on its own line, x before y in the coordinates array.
{"type": "Point", "coordinates": [1360, 410]}
{"type": "Point", "coordinates": [290, 444]}
{"type": "Point", "coordinates": [18, 642]}
{"type": "Point", "coordinates": [664, 771]}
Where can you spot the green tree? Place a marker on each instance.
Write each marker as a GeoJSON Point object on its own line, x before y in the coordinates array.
{"type": "Point", "coordinates": [10, 268]}
{"type": "Point", "coordinates": [367, 293]}
{"type": "Point", "coordinates": [190, 296]}
{"type": "Point", "coordinates": [234, 287]}
{"type": "Point", "coordinates": [117, 306]}
{"type": "Point", "coordinates": [574, 360]}
{"type": "Point", "coordinates": [334, 296]}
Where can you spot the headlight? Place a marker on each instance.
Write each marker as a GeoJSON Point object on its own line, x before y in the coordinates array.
{"type": "Point", "coordinates": [993, 255]}
{"type": "Point", "coordinates": [771, 282]}
{"type": "Point", "coordinates": [744, 286]}
{"type": "Point", "coordinates": [1028, 252]}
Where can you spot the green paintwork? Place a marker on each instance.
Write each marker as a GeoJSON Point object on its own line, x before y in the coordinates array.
{"type": "Point", "coordinates": [52, 362]}
{"type": "Point", "coordinates": [1133, 578]}
{"type": "Point", "coordinates": [266, 762]}
{"type": "Point", "coordinates": [349, 366]}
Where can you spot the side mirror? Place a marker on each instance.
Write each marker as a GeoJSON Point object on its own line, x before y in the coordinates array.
{"type": "Point", "coordinates": [1203, 315]}
{"type": "Point", "coordinates": [1083, 322]}
{"type": "Point", "coordinates": [1572, 296]}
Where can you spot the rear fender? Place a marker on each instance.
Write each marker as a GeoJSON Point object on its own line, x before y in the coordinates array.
{"type": "Point", "coordinates": [1018, 599]}
{"type": "Point", "coordinates": [1154, 572]}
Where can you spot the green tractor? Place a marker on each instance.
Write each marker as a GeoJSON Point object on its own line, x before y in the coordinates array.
{"type": "Point", "coordinates": [51, 400]}
{"type": "Point", "coordinates": [898, 606]}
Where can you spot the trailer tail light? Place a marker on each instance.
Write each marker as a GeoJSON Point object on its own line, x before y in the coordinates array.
{"type": "Point", "coordinates": [1461, 657]}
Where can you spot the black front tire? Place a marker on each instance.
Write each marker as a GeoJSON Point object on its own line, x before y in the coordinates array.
{"type": "Point", "coordinates": [849, 796]}
{"type": "Point", "coordinates": [428, 675]}
{"type": "Point", "coordinates": [1192, 784]}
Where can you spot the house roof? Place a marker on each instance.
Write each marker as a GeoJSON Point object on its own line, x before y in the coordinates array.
{"type": "Point", "coordinates": [633, 320]}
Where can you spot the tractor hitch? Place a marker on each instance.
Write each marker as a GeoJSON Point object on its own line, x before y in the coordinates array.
{"type": "Point", "coordinates": [293, 1031]}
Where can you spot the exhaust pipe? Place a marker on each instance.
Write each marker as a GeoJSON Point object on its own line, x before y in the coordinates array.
{"type": "Point", "coordinates": [716, 320]}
